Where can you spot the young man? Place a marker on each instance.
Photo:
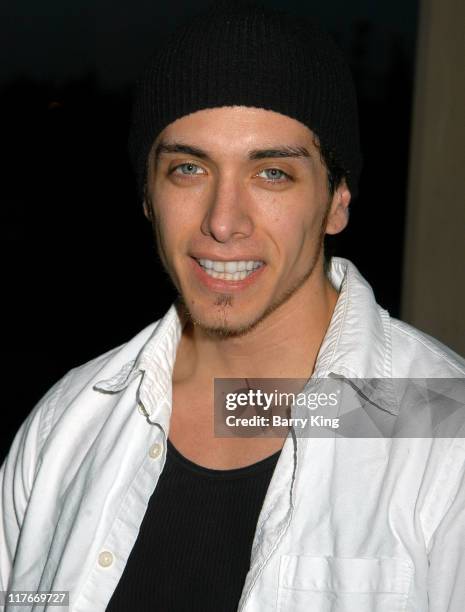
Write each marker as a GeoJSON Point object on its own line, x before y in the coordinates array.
{"type": "Point", "coordinates": [116, 488]}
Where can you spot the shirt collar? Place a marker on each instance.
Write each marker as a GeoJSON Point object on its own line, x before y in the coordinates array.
{"type": "Point", "coordinates": [357, 345]}
{"type": "Point", "coordinates": [154, 364]}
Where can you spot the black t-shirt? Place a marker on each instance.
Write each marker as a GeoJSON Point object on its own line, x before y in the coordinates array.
{"type": "Point", "coordinates": [192, 553]}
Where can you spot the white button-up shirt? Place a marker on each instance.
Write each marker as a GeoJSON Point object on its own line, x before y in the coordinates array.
{"type": "Point", "coordinates": [347, 524]}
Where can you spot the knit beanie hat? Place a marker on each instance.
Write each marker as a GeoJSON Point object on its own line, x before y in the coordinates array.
{"type": "Point", "coordinates": [242, 53]}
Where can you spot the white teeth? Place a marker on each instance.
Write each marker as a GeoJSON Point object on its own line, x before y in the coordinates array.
{"type": "Point", "coordinates": [230, 266]}
{"type": "Point", "coordinates": [206, 263]}
{"type": "Point", "coordinates": [229, 270]}
{"type": "Point", "coordinates": [218, 266]}
{"type": "Point", "coordinates": [227, 276]}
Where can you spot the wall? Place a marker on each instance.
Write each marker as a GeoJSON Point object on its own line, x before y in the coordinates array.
{"type": "Point", "coordinates": [434, 266]}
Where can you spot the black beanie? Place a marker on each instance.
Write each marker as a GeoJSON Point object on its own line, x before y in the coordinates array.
{"type": "Point", "coordinates": [246, 54]}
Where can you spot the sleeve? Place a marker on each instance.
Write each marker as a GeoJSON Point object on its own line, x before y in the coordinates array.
{"type": "Point", "coordinates": [446, 574]}
{"type": "Point", "coordinates": [17, 478]}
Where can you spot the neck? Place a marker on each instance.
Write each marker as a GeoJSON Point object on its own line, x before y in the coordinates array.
{"type": "Point", "coordinates": [283, 345]}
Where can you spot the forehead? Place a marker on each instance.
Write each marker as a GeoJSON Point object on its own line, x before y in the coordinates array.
{"type": "Point", "coordinates": [237, 129]}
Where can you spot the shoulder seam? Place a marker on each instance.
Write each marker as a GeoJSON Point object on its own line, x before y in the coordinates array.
{"type": "Point", "coordinates": [47, 412]}
{"type": "Point", "coordinates": [427, 345]}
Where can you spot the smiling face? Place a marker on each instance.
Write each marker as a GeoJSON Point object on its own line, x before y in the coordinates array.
{"type": "Point", "coordinates": [239, 202]}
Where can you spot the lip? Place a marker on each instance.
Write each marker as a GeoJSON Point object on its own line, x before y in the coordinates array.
{"type": "Point", "coordinates": [215, 258]}
{"type": "Point", "coordinates": [224, 286]}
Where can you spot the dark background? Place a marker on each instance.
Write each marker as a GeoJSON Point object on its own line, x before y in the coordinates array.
{"type": "Point", "coordinates": [80, 273]}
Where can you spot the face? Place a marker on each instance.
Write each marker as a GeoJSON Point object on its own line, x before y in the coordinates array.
{"type": "Point", "coordinates": [238, 199]}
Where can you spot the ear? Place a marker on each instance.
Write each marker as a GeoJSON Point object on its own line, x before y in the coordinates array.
{"type": "Point", "coordinates": [338, 216]}
{"type": "Point", "coordinates": [147, 205]}
{"type": "Point", "coordinates": [147, 210]}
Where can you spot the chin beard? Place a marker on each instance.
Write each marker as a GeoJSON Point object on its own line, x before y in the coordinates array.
{"type": "Point", "coordinates": [222, 329]}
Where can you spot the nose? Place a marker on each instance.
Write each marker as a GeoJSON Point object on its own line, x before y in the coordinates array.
{"type": "Point", "coordinates": [228, 211]}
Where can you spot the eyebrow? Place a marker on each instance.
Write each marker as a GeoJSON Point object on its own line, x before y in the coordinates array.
{"type": "Point", "coordinates": [275, 152]}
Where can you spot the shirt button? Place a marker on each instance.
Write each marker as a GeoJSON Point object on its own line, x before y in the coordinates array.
{"type": "Point", "coordinates": [155, 450]}
{"type": "Point", "coordinates": [105, 558]}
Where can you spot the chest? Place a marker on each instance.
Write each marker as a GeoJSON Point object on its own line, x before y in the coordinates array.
{"type": "Point", "coordinates": [192, 432]}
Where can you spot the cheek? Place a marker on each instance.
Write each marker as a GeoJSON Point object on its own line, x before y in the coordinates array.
{"type": "Point", "coordinates": [296, 226]}
{"type": "Point", "coordinates": [174, 216]}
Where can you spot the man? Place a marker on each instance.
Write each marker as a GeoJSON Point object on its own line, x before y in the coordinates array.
{"type": "Point", "coordinates": [116, 488]}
